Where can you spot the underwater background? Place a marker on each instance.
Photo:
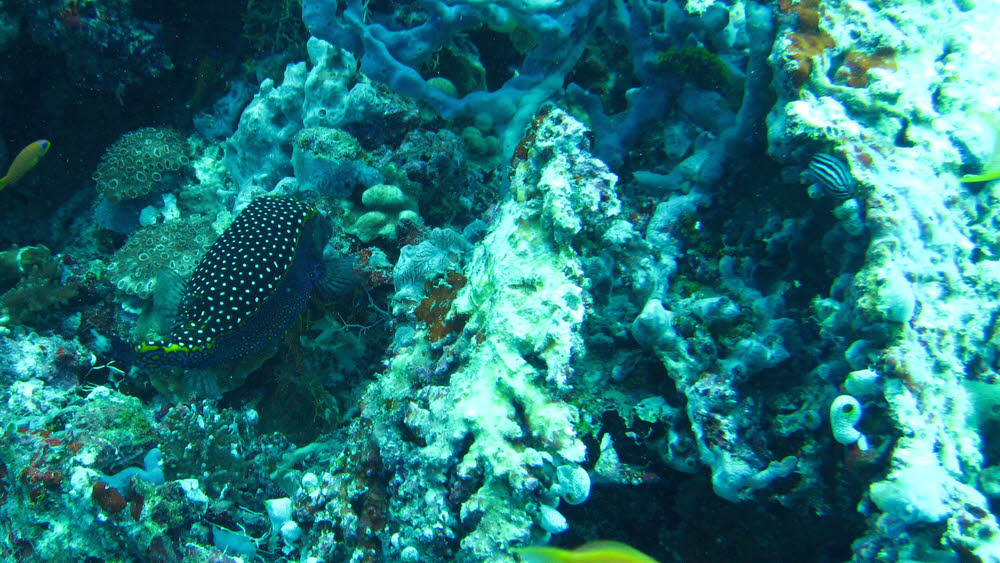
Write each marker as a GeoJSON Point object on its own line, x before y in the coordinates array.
{"type": "Point", "coordinates": [451, 280]}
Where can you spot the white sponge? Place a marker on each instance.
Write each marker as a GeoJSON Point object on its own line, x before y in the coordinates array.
{"type": "Point", "coordinates": [845, 412]}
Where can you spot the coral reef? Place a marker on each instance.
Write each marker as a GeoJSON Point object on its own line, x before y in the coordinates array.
{"type": "Point", "coordinates": [544, 41]}
{"type": "Point", "coordinates": [506, 437]}
{"type": "Point", "coordinates": [807, 40]}
{"type": "Point", "coordinates": [105, 46]}
{"type": "Point", "coordinates": [685, 275]}
{"type": "Point", "coordinates": [330, 161]}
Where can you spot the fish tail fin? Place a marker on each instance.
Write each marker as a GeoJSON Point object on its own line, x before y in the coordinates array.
{"type": "Point", "coordinates": [123, 354]}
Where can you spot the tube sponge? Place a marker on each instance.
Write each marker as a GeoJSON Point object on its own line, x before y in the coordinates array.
{"type": "Point", "coordinates": [845, 412]}
{"type": "Point", "coordinates": [391, 50]}
{"type": "Point", "coordinates": [151, 472]}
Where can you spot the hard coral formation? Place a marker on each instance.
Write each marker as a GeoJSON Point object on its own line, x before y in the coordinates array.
{"type": "Point", "coordinates": [57, 361]}
{"type": "Point", "coordinates": [448, 186]}
{"type": "Point", "coordinates": [79, 461]}
{"type": "Point", "coordinates": [386, 210]}
{"type": "Point", "coordinates": [33, 284]}
{"type": "Point", "coordinates": [893, 310]}
{"type": "Point", "coordinates": [490, 429]}
{"type": "Point", "coordinates": [331, 161]}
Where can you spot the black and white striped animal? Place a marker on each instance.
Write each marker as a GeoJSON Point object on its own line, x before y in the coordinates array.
{"type": "Point", "coordinates": [831, 175]}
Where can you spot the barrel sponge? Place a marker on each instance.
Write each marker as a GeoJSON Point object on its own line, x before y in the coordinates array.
{"type": "Point", "coordinates": [176, 245]}
{"type": "Point", "coordinates": [135, 164]}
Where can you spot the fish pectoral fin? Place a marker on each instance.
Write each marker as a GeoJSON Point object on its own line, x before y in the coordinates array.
{"type": "Point", "coordinates": [167, 298]}
{"type": "Point", "coordinates": [336, 277]}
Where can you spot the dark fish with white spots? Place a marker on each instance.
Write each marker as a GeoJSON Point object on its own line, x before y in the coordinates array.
{"type": "Point", "coordinates": [251, 286]}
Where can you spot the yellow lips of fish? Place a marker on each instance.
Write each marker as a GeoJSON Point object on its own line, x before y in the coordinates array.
{"type": "Point", "coordinates": [24, 161]}
{"type": "Point", "coordinates": [590, 552]}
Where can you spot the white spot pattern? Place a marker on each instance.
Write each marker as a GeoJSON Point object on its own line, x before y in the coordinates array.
{"type": "Point", "coordinates": [222, 292]}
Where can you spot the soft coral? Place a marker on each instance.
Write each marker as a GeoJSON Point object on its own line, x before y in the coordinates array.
{"type": "Point", "coordinates": [808, 40]}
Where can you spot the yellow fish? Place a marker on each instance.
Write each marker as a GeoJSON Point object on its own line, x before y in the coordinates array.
{"type": "Point", "coordinates": [984, 177]}
{"type": "Point", "coordinates": [590, 552]}
{"type": "Point", "coordinates": [24, 161]}
{"type": "Point", "coordinates": [991, 170]}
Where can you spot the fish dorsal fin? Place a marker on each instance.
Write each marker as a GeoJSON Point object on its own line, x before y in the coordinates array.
{"type": "Point", "coordinates": [991, 166]}
{"type": "Point", "coordinates": [167, 299]}
{"type": "Point", "coordinates": [597, 545]}
{"type": "Point", "coordinates": [616, 547]}
{"type": "Point", "coordinates": [993, 126]}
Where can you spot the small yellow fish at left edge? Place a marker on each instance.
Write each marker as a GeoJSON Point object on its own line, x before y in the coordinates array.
{"type": "Point", "coordinates": [25, 161]}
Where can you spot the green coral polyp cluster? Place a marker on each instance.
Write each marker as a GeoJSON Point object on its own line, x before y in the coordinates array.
{"type": "Point", "coordinates": [134, 166]}
{"type": "Point", "coordinates": [177, 245]}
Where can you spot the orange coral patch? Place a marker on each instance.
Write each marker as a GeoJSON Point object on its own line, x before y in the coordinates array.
{"type": "Point", "coordinates": [107, 497]}
{"type": "Point", "coordinates": [808, 40]}
{"type": "Point", "coordinates": [858, 65]}
{"type": "Point", "coordinates": [434, 309]}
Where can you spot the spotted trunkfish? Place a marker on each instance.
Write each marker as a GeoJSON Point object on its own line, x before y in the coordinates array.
{"type": "Point", "coordinates": [250, 287]}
